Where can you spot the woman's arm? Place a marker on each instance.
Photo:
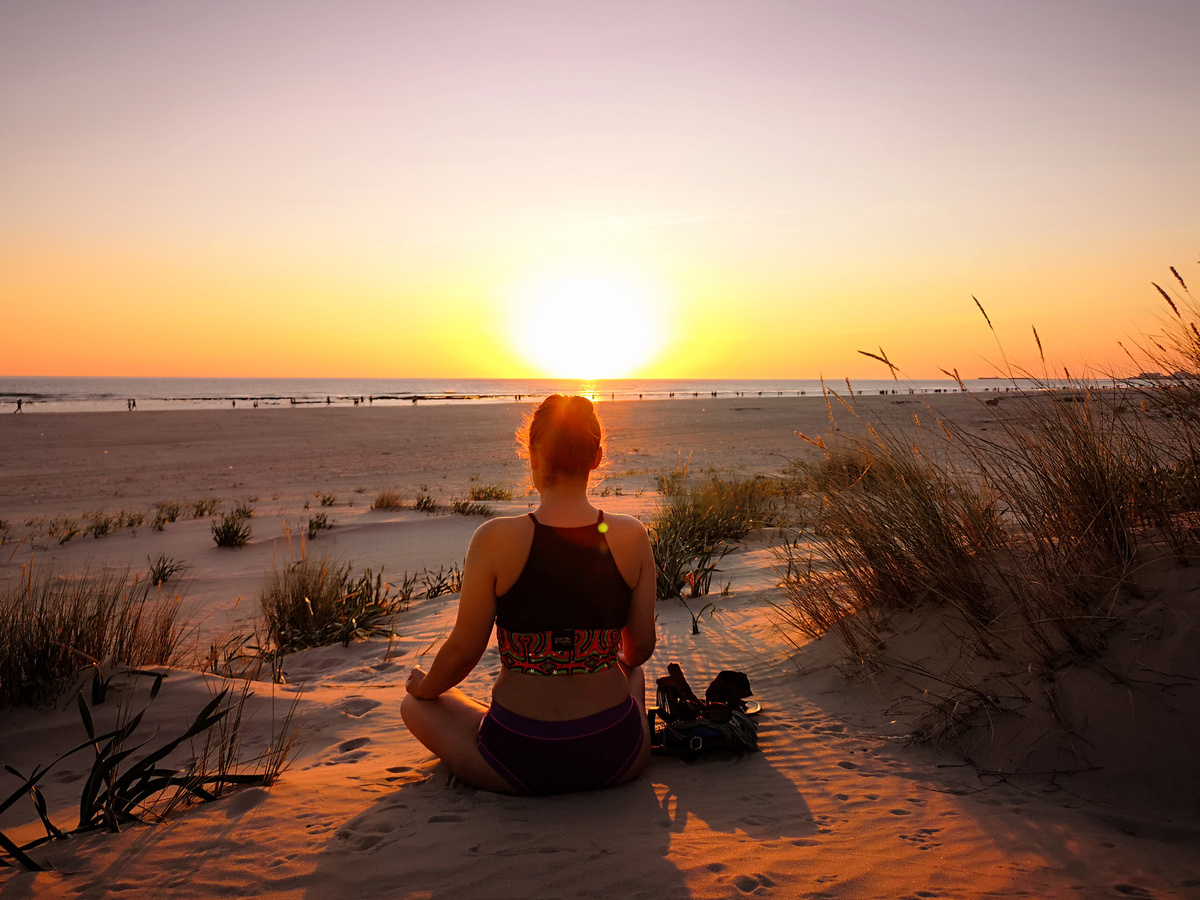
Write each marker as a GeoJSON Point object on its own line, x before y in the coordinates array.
{"type": "Point", "coordinates": [464, 647]}
{"type": "Point", "coordinates": [639, 634]}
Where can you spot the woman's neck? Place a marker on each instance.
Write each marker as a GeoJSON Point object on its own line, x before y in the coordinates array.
{"type": "Point", "coordinates": [565, 505]}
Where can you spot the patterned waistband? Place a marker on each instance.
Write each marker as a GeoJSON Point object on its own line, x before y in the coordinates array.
{"type": "Point", "coordinates": [564, 652]}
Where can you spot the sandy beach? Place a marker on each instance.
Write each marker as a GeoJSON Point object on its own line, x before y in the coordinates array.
{"type": "Point", "coordinates": [836, 805]}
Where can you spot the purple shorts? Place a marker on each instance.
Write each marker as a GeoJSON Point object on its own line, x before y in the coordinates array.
{"type": "Point", "coordinates": [538, 757]}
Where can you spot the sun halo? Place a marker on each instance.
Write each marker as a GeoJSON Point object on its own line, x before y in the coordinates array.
{"type": "Point", "coordinates": [587, 326]}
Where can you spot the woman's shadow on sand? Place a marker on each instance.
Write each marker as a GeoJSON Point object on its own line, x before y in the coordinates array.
{"type": "Point", "coordinates": [436, 837]}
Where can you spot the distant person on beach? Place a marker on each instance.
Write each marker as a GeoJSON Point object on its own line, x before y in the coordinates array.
{"type": "Point", "coordinates": [570, 591]}
{"type": "Point", "coordinates": [18, 409]}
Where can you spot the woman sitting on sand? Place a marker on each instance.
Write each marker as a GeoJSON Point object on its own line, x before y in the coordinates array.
{"type": "Point", "coordinates": [571, 593]}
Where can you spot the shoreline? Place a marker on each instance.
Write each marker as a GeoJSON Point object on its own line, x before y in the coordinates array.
{"type": "Point", "coordinates": [115, 394]}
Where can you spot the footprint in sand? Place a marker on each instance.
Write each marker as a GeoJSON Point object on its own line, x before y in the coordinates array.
{"type": "Point", "coordinates": [923, 839]}
{"type": "Point", "coordinates": [405, 774]}
{"type": "Point", "coordinates": [1131, 890]}
{"type": "Point", "coordinates": [356, 707]}
{"type": "Point", "coordinates": [750, 884]}
{"type": "Point", "coordinates": [350, 752]}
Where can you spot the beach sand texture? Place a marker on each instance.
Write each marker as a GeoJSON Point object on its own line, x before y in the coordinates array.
{"type": "Point", "coordinates": [835, 805]}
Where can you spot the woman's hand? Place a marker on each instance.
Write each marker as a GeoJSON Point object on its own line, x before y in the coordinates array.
{"type": "Point", "coordinates": [413, 685]}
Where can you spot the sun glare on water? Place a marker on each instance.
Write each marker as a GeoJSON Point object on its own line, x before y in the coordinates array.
{"type": "Point", "coordinates": [586, 325]}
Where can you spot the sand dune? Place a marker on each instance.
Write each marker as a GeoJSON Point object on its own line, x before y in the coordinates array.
{"type": "Point", "coordinates": [836, 804]}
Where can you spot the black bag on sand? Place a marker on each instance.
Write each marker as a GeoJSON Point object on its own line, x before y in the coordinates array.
{"type": "Point", "coordinates": [685, 726]}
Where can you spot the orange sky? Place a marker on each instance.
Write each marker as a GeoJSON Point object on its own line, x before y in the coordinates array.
{"type": "Point", "coordinates": [380, 189]}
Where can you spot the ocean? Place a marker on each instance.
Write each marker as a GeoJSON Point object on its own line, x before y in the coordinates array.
{"type": "Point", "coordinates": [96, 394]}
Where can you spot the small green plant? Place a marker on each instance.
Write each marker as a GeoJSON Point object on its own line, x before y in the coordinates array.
{"type": "Point", "coordinates": [243, 510]}
{"type": "Point", "coordinates": [470, 508]}
{"type": "Point", "coordinates": [231, 530]}
{"type": "Point", "coordinates": [130, 519]}
{"type": "Point", "coordinates": [326, 499]}
{"type": "Point", "coordinates": [101, 525]}
{"type": "Point", "coordinates": [406, 590]}
{"type": "Point", "coordinates": [317, 523]}
{"type": "Point", "coordinates": [205, 507]}
{"type": "Point", "coordinates": [691, 532]}
{"type": "Point", "coordinates": [311, 604]}
{"type": "Point", "coordinates": [164, 512]}
{"type": "Point", "coordinates": [425, 503]}
{"type": "Point", "coordinates": [490, 492]}
{"type": "Point", "coordinates": [388, 498]}
{"type": "Point", "coordinates": [164, 569]}
{"type": "Point", "coordinates": [63, 528]}
{"type": "Point", "coordinates": [443, 581]}
{"type": "Point", "coordinates": [124, 788]}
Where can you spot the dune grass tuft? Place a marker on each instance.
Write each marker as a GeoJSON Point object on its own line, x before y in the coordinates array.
{"type": "Point", "coordinates": [318, 523]}
{"type": "Point", "coordinates": [232, 530]}
{"type": "Point", "coordinates": [471, 508]}
{"type": "Point", "coordinates": [490, 492]}
{"type": "Point", "coordinates": [164, 569]}
{"type": "Point", "coordinates": [388, 498]}
{"type": "Point", "coordinates": [692, 530]}
{"type": "Point", "coordinates": [130, 780]}
{"type": "Point", "coordinates": [312, 604]}
{"type": "Point", "coordinates": [52, 626]}
{"type": "Point", "coordinates": [207, 506]}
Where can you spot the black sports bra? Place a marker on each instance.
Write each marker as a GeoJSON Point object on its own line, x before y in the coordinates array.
{"type": "Point", "coordinates": [565, 612]}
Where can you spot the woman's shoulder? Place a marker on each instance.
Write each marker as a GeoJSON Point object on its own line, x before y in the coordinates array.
{"type": "Point", "coordinates": [620, 524]}
{"type": "Point", "coordinates": [503, 528]}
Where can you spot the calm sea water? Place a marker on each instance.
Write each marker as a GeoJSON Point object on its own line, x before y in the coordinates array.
{"type": "Point", "coordinates": [83, 394]}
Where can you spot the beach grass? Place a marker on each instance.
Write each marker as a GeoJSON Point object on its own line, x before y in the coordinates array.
{"type": "Point", "coordinates": [1021, 539]}
{"type": "Point", "coordinates": [164, 568]}
{"type": "Point", "coordinates": [318, 523]}
{"type": "Point", "coordinates": [231, 530]}
{"type": "Point", "coordinates": [490, 492]}
{"type": "Point", "coordinates": [205, 506]}
{"type": "Point", "coordinates": [471, 508]}
{"type": "Point", "coordinates": [53, 626]}
{"type": "Point", "coordinates": [388, 498]}
{"type": "Point", "coordinates": [694, 526]}
{"type": "Point", "coordinates": [130, 782]}
{"type": "Point", "coordinates": [165, 511]}
{"type": "Point", "coordinates": [312, 603]}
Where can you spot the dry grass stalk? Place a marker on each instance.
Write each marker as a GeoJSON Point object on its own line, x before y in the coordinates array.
{"type": "Point", "coordinates": [51, 626]}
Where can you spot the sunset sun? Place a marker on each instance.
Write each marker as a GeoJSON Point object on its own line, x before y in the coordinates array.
{"type": "Point", "coordinates": [587, 325]}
